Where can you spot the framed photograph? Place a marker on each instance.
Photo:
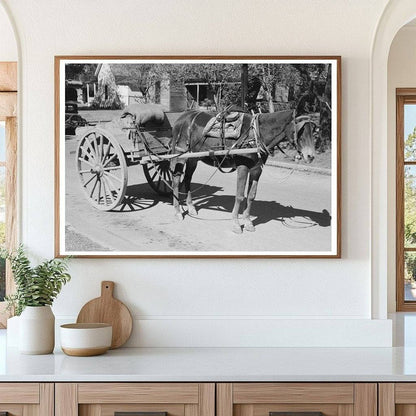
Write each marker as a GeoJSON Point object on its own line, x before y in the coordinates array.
{"type": "Point", "coordinates": [225, 156]}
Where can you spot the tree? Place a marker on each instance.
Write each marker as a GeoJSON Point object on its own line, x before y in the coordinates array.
{"type": "Point", "coordinates": [410, 146]}
{"type": "Point", "coordinates": [410, 266]}
{"type": "Point", "coordinates": [267, 74]}
{"type": "Point", "coordinates": [315, 97]}
{"type": "Point", "coordinates": [146, 76]}
{"type": "Point", "coordinates": [305, 82]}
{"type": "Point", "coordinates": [410, 207]}
{"type": "Point", "coordinates": [271, 75]}
{"type": "Point", "coordinates": [325, 114]}
{"type": "Point", "coordinates": [80, 72]}
{"type": "Point", "coordinates": [223, 80]}
{"type": "Point", "coordinates": [410, 191]}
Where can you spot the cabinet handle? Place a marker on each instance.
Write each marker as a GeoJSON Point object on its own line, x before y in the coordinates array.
{"type": "Point", "coordinates": [296, 414]}
{"type": "Point", "coordinates": [137, 414]}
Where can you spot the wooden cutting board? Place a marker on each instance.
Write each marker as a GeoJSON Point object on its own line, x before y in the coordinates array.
{"type": "Point", "coordinates": [107, 309]}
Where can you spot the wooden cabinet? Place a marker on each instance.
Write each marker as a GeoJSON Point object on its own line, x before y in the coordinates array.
{"type": "Point", "coordinates": [27, 399]}
{"type": "Point", "coordinates": [264, 399]}
{"type": "Point", "coordinates": [108, 399]}
{"type": "Point", "coordinates": [207, 399]}
{"type": "Point", "coordinates": [397, 399]}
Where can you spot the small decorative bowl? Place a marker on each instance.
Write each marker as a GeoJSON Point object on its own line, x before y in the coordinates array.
{"type": "Point", "coordinates": [84, 340]}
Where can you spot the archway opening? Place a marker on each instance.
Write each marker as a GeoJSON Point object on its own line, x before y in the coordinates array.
{"type": "Point", "coordinates": [383, 213]}
{"type": "Point", "coordinates": [401, 125]}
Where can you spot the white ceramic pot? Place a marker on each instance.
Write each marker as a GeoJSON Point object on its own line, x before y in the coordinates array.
{"type": "Point", "coordinates": [37, 330]}
{"type": "Point", "coordinates": [86, 339]}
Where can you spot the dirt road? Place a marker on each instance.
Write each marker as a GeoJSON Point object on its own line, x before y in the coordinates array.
{"type": "Point", "coordinates": [289, 215]}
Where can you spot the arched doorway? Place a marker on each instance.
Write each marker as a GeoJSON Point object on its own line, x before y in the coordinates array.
{"type": "Point", "coordinates": [396, 14]}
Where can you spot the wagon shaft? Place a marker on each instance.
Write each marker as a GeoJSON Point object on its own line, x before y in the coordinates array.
{"type": "Point", "coordinates": [193, 155]}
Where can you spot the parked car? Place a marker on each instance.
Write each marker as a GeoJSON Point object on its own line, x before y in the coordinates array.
{"type": "Point", "coordinates": [72, 118]}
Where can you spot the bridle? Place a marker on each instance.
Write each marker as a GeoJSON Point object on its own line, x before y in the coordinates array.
{"type": "Point", "coordinates": [254, 125]}
{"type": "Point", "coordinates": [306, 119]}
{"type": "Point", "coordinates": [295, 132]}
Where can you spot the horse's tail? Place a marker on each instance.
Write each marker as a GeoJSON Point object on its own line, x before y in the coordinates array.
{"type": "Point", "coordinates": [176, 135]}
{"type": "Point", "coordinates": [182, 130]}
{"type": "Point", "coordinates": [177, 131]}
{"type": "Point", "coordinates": [190, 126]}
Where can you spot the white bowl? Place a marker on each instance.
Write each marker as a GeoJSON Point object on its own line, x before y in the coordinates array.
{"type": "Point", "coordinates": [83, 340]}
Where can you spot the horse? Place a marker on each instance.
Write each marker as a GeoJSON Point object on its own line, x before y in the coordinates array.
{"type": "Point", "coordinates": [264, 131]}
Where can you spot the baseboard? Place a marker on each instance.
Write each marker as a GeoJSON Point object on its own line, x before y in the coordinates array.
{"type": "Point", "coordinates": [165, 332]}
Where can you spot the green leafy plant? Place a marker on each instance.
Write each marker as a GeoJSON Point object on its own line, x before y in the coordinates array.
{"type": "Point", "coordinates": [35, 286]}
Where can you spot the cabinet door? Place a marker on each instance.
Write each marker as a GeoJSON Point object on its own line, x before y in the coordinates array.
{"type": "Point", "coordinates": [397, 399]}
{"type": "Point", "coordinates": [26, 399]}
{"type": "Point", "coordinates": [297, 399]}
{"type": "Point", "coordinates": [143, 399]}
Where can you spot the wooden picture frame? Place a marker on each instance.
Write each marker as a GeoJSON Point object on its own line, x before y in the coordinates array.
{"type": "Point", "coordinates": [115, 79]}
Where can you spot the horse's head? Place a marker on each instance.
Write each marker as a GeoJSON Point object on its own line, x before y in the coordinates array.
{"type": "Point", "coordinates": [283, 125]}
{"type": "Point", "coordinates": [304, 140]}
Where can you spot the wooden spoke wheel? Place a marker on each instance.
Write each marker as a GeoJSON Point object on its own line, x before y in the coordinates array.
{"type": "Point", "coordinates": [159, 177]}
{"type": "Point", "coordinates": [102, 169]}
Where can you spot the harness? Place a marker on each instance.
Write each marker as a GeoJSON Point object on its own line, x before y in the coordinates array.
{"type": "Point", "coordinates": [260, 143]}
{"type": "Point", "coordinates": [257, 140]}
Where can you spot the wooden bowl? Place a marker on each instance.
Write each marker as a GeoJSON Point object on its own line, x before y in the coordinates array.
{"type": "Point", "coordinates": [85, 340]}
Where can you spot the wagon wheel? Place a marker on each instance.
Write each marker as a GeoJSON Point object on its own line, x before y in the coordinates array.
{"type": "Point", "coordinates": [102, 169]}
{"type": "Point", "coordinates": [159, 177]}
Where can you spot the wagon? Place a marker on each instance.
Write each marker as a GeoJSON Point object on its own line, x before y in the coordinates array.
{"type": "Point", "coordinates": [105, 151]}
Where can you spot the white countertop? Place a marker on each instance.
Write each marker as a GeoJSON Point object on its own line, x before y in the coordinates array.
{"type": "Point", "coordinates": [214, 364]}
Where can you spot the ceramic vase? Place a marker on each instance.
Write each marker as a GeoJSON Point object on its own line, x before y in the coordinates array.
{"type": "Point", "coordinates": [37, 330]}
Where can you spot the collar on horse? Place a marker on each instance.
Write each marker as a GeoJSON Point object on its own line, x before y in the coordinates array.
{"type": "Point", "coordinates": [260, 143]}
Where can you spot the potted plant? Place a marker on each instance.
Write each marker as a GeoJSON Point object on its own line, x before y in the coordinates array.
{"type": "Point", "coordinates": [36, 289]}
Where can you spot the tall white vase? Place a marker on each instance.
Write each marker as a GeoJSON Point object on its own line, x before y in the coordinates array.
{"type": "Point", "coordinates": [37, 330]}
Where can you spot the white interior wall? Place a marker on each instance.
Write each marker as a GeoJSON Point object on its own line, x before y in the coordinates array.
{"type": "Point", "coordinates": [183, 300]}
{"type": "Point", "coordinates": [401, 74]}
{"type": "Point", "coordinates": [8, 47]}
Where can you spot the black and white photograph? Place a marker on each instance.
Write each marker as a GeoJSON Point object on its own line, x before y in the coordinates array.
{"type": "Point", "coordinates": [198, 156]}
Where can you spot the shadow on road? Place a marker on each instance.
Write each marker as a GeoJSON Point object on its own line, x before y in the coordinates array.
{"type": "Point", "coordinates": [141, 197]}
{"type": "Point", "coordinates": [273, 211]}
{"type": "Point", "coordinates": [138, 198]}
{"type": "Point", "coordinates": [267, 211]}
